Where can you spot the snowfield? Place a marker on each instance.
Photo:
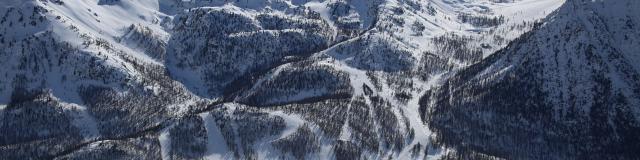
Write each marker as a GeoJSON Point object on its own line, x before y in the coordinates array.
{"type": "Point", "coordinates": [318, 79]}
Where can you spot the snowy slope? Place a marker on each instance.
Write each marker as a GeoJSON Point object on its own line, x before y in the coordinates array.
{"type": "Point", "coordinates": [220, 79]}
{"type": "Point", "coordinates": [568, 89]}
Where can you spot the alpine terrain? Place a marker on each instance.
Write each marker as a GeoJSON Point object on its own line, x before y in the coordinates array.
{"type": "Point", "coordinates": [319, 79]}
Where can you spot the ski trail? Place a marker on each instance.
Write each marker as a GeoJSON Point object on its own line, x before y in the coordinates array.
{"type": "Point", "coordinates": [412, 111]}
{"type": "Point", "coordinates": [216, 144]}
{"type": "Point", "coordinates": [165, 144]}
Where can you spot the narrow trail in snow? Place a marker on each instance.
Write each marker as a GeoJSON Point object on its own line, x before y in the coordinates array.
{"type": "Point", "coordinates": [150, 130]}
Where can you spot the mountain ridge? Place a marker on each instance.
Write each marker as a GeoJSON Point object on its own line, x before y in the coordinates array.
{"type": "Point", "coordinates": [319, 79]}
{"type": "Point", "coordinates": [569, 86]}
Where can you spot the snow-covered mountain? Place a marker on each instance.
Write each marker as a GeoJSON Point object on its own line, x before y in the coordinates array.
{"type": "Point", "coordinates": [567, 90]}
{"type": "Point", "coordinates": [317, 79]}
